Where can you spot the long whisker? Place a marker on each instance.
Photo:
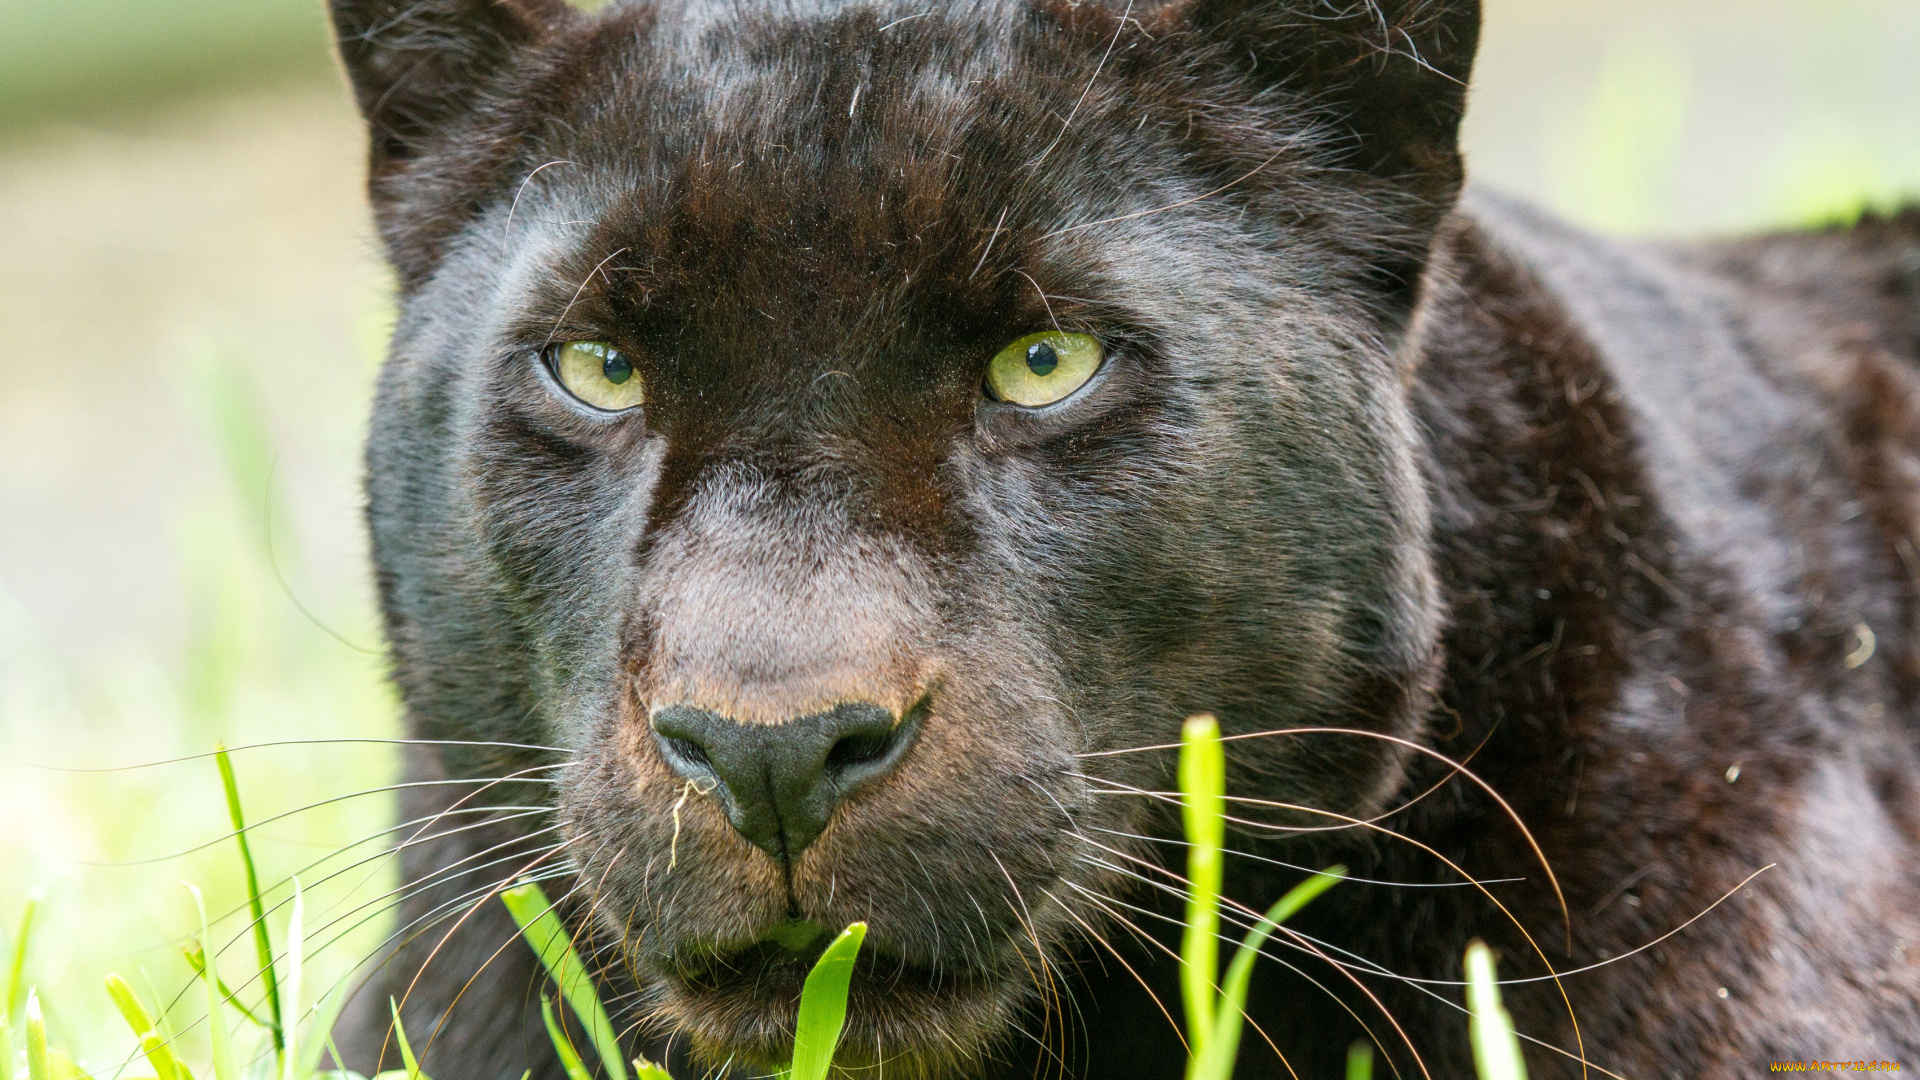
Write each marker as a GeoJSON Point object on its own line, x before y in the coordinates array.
{"type": "Point", "coordinates": [1566, 998]}
{"type": "Point", "coordinates": [458, 806]}
{"type": "Point", "coordinates": [523, 811]}
{"type": "Point", "coordinates": [395, 937]}
{"type": "Point", "coordinates": [1178, 1032]}
{"type": "Point", "coordinates": [1176, 841]}
{"type": "Point", "coordinates": [1050, 992]}
{"type": "Point", "coordinates": [572, 939]}
{"type": "Point", "coordinates": [378, 856]}
{"type": "Point", "coordinates": [287, 742]}
{"type": "Point", "coordinates": [425, 823]}
{"type": "Point", "coordinates": [572, 934]}
{"type": "Point", "coordinates": [215, 842]}
{"type": "Point", "coordinates": [1249, 919]}
{"type": "Point", "coordinates": [499, 887]}
{"type": "Point", "coordinates": [422, 885]}
{"type": "Point", "coordinates": [470, 905]}
{"type": "Point", "coordinates": [381, 904]}
{"type": "Point", "coordinates": [1103, 900]}
{"type": "Point", "coordinates": [1436, 755]}
{"type": "Point", "coordinates": [388, 854]}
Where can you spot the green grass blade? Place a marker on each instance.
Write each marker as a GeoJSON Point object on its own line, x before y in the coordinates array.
{"type": "Point", "coordinates": [569, 1061]}
{"type": "Point", "coordinates": [63, 1067]}
{"type": "Point", "coordinates": [325, 1013]}
{"type": "Point", "coordinates": [290, 1010]}
{"type": "Point", "coordinates": [1360, 1061]}
{"type": "Point", "coordinates": [1203, 772]}
{"type": "Point", "coordinates": [1496, 1049]}
{"type": "Point", "coordinates": [196, 956]}
{"type": "Point", "coordinates": [262, 940]}
{"type": "Point", "coordinates": [160, 1056]}
{"type": "Point", "coordinates": [406, 1048]}
{"type": "Point", "coordinates": [217, 1033]}
{"type": "Point", "coordinates": [164, 1029]}
{"type": "Point", "coordinates": [541, 926]}
{"type": "Point", "coordinates": [823, 1006]}
{"type": "Point", "coordinates": [38, 1067]}
{"type": "Point", "coordinates": [129, 1005]}
{"type": "Point", "coordinates": [17, 963]}
{"type": "Point", "coordinates": [1217, 1061]}
{"type": "Point", "coordinates": [647, 1070]}
{"type": "Point", "coordinates": [165, 1067]}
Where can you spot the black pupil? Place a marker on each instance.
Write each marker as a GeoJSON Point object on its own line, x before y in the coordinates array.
{"type": "Point", "coordinates": [617, 369]}
{"type": "Point", "coordinates": [1041, 359]}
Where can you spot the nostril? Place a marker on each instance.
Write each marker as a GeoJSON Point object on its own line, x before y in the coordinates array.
{"type": "Point", "coordinates": [860, 749]}
{"type": "Point", "coordinates": [690, 752]}
{"type": "Point", "coordinates": [870, 744]}
{"type": "Point", "coordinates": [686, 739]}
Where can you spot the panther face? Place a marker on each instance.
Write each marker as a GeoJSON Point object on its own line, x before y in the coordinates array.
{"type": "Point", "coordinates": [859, 434]}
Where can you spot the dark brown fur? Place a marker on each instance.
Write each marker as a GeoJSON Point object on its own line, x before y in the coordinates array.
{"type": "Point", "coordinates": [1613, 524]}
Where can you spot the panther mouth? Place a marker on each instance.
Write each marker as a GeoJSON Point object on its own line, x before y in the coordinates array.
{"type": "Point", "coordinates": [921, 1020]}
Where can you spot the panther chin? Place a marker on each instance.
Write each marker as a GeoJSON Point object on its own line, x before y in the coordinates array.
{"type": "Point", "coordinates": [738, 1006]}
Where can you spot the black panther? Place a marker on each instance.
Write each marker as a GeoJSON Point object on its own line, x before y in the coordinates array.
{"type": "Point", "coordinates": [829, 446]}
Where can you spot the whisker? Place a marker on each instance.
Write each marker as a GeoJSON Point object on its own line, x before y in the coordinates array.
{"type": "Point", "coordinates": [1458, 767]}
{"type": "Point", "coordinates": [510, 812]}
{"type": "Point", "coordinates": [1050, 991]}
{"type": "Point", "coordinates": [1098, 901]}
{"type": "Point", "coordinates": [470, 901]}
{"type": "Point", "coordinates": [1484, 891]}
{"type": "Point", "coordinates": [1308, 870]}
{"type": "Point", "coordinates": [440, 877]}
{"type": "Point", "coordinates": [378, 856]}
{"type": "Point", "coordinates": [215, 842]}
{"type": "Point", "coordinates": [381, 905]}
{"type": "Point", "coordinates": [287, 742]}
{"type": "Point", "coordinates": [1102, 900]}
{"type": "Point", "coordinates": [414, 983]}
{"type": "Point", "coordinates": [1240, 916]}
{"type": "Point", "coordinates": [526, 811]}
{"type": "Point", "coordinates": [572, 942]}
{"type": "Point", "coordinates": [506, 231]}
{"type": "Point", "coordinates": [1067, 124]}
{"type": "Point", "coordinates": [1178, 1032]}
{"type": "Point", "coordinates": [386, 854]}
{"type": "Point", "coordinates": [579, 884]}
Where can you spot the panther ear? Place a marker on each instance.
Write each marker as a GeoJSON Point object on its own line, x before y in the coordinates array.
{"type": "Point", "coordinates": [1390, 75]}
{"type": "Point", "coordinates": [420, 65]}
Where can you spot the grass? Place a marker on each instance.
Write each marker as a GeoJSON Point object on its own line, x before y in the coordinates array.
{"type": "Point", "coordinates": [290, 1040]}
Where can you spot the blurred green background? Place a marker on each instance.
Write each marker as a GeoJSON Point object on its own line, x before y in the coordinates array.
{"type": "Point", "coordinates": [194, 308]}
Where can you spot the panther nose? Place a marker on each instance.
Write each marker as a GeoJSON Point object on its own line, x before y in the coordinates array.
{"type": "Point", "coordinates": [779, 783]}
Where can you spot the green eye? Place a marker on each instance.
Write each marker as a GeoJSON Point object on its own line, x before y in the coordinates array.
{"type": "Point", "coordinates": [1043, 368]}
{"type": "Point", "coordinates": [598, 374]}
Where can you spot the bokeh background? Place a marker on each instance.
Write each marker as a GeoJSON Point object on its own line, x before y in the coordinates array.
{"type": "Point", "coordinates": [192, 310]}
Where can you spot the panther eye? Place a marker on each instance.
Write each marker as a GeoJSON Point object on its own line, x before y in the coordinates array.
{"type": "Point", "coordinates": [598, 374]}
{"type": "Point", "coordinates": [1043, 368]}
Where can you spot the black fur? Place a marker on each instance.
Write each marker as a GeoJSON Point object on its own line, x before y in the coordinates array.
{"type": "Point", "coordinates": [1613, 524]}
